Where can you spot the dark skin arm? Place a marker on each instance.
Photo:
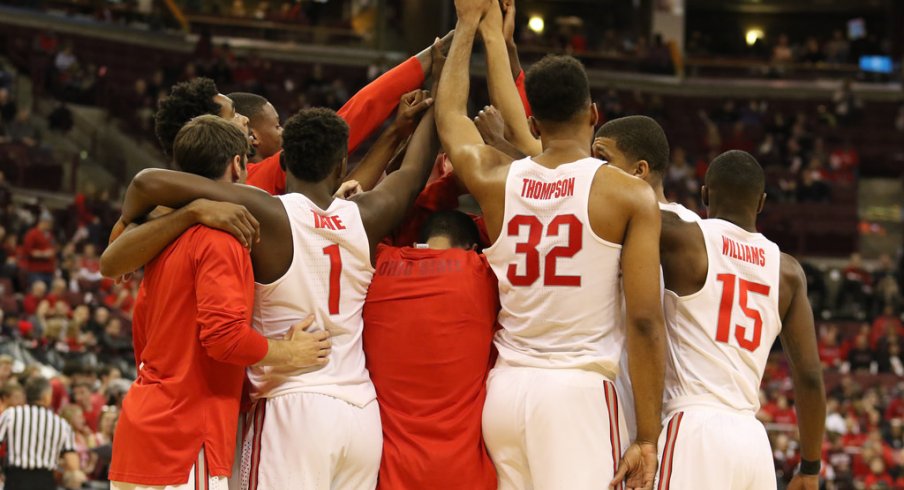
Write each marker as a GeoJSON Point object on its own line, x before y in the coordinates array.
{"type": "Point", "coordinates": [492, 127]}
{"type": "Point", "coordinates": [799, 343]}
{"type": "Point", "coordinates": [371, 168]}
{"type": "Point", "coordinates": [481, 168]}
{"type": "Point", "coordinates": [384, 208]}
{"type": "Point", "coordinates": [157, 187]}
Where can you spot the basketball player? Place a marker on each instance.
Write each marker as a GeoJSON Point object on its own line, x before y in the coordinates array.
{"type": "Point", "coordinates": [638, 146]}
{"type": "Point", "coordinates": [193, 340]}
{"type": "Point", "coordinates": [564, 226]}
{"type": "Point", "coordinates": [312, 429]}
{"type": "Point", "coordinates": [734, 292]}
{"type": "Point", "coordinates": [429, 366]}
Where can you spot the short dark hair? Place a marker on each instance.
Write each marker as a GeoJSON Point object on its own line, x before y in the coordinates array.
{"type": "Point", "coordinates": [206, 145]}
{"type": "Point", "coordinates": [36, 389]}
{"type": "Point", "coordinates": [458, 227]}
{"type": "Point", "coordinates": [557, 88]}
{"type": "Point", "coordinates": [737, 177]}
{"type": "Point", "coordinates": [314, 142]}
{"type": "Point", "coordinates": [247, 104]}
{"type": "Point", "coordinates": [186, 101]}
{"type": "Point", "coordinates": [640, 138]}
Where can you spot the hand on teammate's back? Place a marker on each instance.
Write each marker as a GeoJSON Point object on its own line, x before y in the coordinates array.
{"type": "Point", "coordinates": [491, 125]}
{"type": "Point", "coordinates": [804, 482]}
{"type": "Point", "coordinates": [637, 467]}
{"type": "Point", "coordinates": [348, 189]}
{"type": "Point", "coordinates": [308, 348]}
{"type": "Point", "coordinates": [411, 108]}
{"type": "Point", "coordinates": [231, 218]}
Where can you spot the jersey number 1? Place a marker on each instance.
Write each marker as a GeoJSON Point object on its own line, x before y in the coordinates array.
{"type": "Point", "coordinates": [532, 255]}
{"type": "Point", "coordinates": [727, 305]}
{"type": "Point", "coordinates": [335, 273]}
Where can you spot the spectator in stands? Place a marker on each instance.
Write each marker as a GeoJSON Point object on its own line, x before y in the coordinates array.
{"type": "Point", "coordinates": [886, 324]}
{"type": "Point", "coordinates": [888, 354]}
{"type": "Point", "coordinates": [856, 286]}
{"type": "Point", "coordinates": [8, 107]}
{"type": "Point", "coordinates": [35, 296]}
{"type": "Point", "coordinates": [85, 440]}
{"type": "Point", "coordinates": [878, 478]}
{"type": "Point", "coordinates": [23, 130]}
{"type": "Point", "coordinates": [782, 52]}
{"type": "Point", "coordinates": [65, 59]}
{"type": "Point", "coordinates": [11, 395]}
{"type": "Point", "coordinates": [830, 352]}
{"type": "Point", "coordinates": [83, 396]}
{"type": "Point", "coordinates": [811, 187]}
{"type": "Point", "coordinates": [847, 105]}
{"type": "Point", "coordinates": [888, 291]}
{"type": "Point", "coordinates": [812, 53]}
{"type": "Point", "coordinates": [89, 274]}
{"type": "Point", "coordinates": [61, 119]}
{"type": "Point", "coordinates": [838, 48]}
{"type": "Point", "coordinates": [860, 356]}
{"type": "Point", "coordinates": [6, 369]}
{"type": "Point", "coordinates": [844, 162]}
{"type": "Point", "coordinates": [40, 251]}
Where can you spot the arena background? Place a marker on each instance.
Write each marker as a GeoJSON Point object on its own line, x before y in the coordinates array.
{"type": "Point", "coordinates": [811, 87]}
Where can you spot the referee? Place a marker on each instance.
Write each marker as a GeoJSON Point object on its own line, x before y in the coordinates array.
{"type": "Point", "coordinates": [36, 438]}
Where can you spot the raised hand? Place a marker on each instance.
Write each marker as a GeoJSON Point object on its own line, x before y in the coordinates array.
{"type": "Point", "coordinates": [472, 8]}
{"type": "Point", "coordinates": [508, 21]}
{"type": "Point", "coordinates": [637, 467]}
{"type": "Point", "coordinates": [491, 125]}
{"type": "Point", "coordinates": [411, 108]}
{"type": "Point", "coordinates": [348, 189]}
{"type": "Point", "coordinates": [231, 218]}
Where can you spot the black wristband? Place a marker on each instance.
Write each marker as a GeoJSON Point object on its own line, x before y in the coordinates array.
{"type": "Point", "coordinates": [810, 468]}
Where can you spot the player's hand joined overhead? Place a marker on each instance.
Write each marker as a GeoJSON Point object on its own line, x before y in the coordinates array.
{"type": "Point", "coordinates": [491, 125]}
{"type": "Point", "coordinates": [637, 467]}
{"type": "Point", "coordinates": [231, 218]}
{"type": "Point", "coordinates": [508, 23]}
{"type": "Point", "coordinates": [411, 108]}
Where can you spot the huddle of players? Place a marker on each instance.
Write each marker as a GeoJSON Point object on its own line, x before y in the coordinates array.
{"type": "Point", "coordinates": [580, 250]}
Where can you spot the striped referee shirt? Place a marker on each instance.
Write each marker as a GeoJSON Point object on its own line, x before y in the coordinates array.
{"type": "Point", "coordinates": [35, 437]}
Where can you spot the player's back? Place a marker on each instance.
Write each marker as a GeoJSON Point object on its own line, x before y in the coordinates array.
{"type": "Point", "coordinates": [328, 278]}
{"type": "Point", "coordinates": [559, 283]}
{"type": "Point", "coordinates": [720, 336]}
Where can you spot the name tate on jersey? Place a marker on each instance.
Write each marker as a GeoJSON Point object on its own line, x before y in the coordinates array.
{"type": "Point", "coordinates": [327, 222]}
{"type": "Point", "coordinates": [534, 189]}
{"type": "Point", "coordinates": [746, 253]}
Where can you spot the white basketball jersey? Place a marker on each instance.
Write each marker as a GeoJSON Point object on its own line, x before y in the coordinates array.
{"type": "Point", "coordinates": [559, 283]}
{"type": "Point", "coordinates": [328, 278]}
{"type": "Point", "coordinates": [680, 210]}
{"type": "Point", "coordinates": [720, 337]}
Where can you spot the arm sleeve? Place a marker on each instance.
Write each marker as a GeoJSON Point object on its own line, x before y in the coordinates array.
{"type": "Point", "coordinates": [519, 83]}
{"type": "Point", "coordinates": [367, 109]}
{"type": "Point", "coordinates": [365, 112]}
{"type": "Point", "coordinates": [223, 295]}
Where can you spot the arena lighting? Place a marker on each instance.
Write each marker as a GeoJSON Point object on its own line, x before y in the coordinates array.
{"type": "Point", "coordinates": [536, 24]}
{"type": "Point", "coordinates": [753, 35]}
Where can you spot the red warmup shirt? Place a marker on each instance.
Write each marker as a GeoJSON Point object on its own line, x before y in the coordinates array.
{"type": "Point", "coordinates": [428, 328]}
{"type": "Point", "coordinates": [364, 113]}
{"type": "Point", "coordinates": [38, 240]}
{"type": "Point", "coordinates": [193, 338]}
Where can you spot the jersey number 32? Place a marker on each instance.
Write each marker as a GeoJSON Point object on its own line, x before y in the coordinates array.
{"type": "Point", "coordinates": [532, 255]}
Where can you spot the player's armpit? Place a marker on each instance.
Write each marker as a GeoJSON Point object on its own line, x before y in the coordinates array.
{"type": "Point", "coordinates": [798, 338]}
{"type": "Point", "coordinates": [643, 306]}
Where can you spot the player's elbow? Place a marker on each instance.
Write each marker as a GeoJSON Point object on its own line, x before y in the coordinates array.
{"type": "Point", "coordinates": [810, 379]}
{"type": "Point", "coordinates": [648, 325]}
{"type": "Point", "coordinates": [108, 266]}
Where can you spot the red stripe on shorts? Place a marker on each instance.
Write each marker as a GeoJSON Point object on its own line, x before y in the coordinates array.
{"type": "Point", "coordinates": [260, 410]}
{"type": "Point", "coordinates": [612, 414]}
{"type": "Point", "coordinates": [668, 454]}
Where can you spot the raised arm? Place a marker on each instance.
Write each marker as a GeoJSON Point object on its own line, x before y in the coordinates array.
{"type": "Point", "coordinates": [645, 332]}
{"type": "Point", "coordinates": [480, 167]}
{"type": "Point", "coordinates": [503, 92]}
{"type": "Point", "coordinates": [371, 168]}
{"type": "Point", "coordinates": [799, 342]}
{"type": "Point", "coordinates": [139, 244]}
{"type": "Point", "coordinates": [383, 208]}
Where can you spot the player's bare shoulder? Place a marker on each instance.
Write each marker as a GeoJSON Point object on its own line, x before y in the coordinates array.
{"type": "Point", "coordinates": [617, 198]}
{"type": "Point", "coordinates": [793, 282]}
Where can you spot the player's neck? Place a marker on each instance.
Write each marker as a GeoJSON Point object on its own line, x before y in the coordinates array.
{"type": "Point", "coordinates": [559, 149]}
{"type": "Point", "coordinates": [741, 220]}
{"type": "Point", "coordinates": [318, 192]}
{"type": "Point", "coordinates": [660, 191]}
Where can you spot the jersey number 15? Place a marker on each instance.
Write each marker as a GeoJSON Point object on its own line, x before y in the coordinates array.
{"type": "Point", "coordinates": [726, 306]}
{"type": "Point", "coordinates": [532, 255]}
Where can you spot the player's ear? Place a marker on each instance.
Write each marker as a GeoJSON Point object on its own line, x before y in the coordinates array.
{"type": "Point", "coordinates": [255, 140]}
{"type": "Point", "coordinates": [594, 115]}
{"type": "Point", "coordinates": [534, 127]}
{"type": "Point", "coordinates": [642, 170]}
{"type": "Point", "coordinates": [759, 206]}
{"type": "Point", "coordinates": [704, 196]}
{"type": "Point", "coordinates": [235, 169]}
